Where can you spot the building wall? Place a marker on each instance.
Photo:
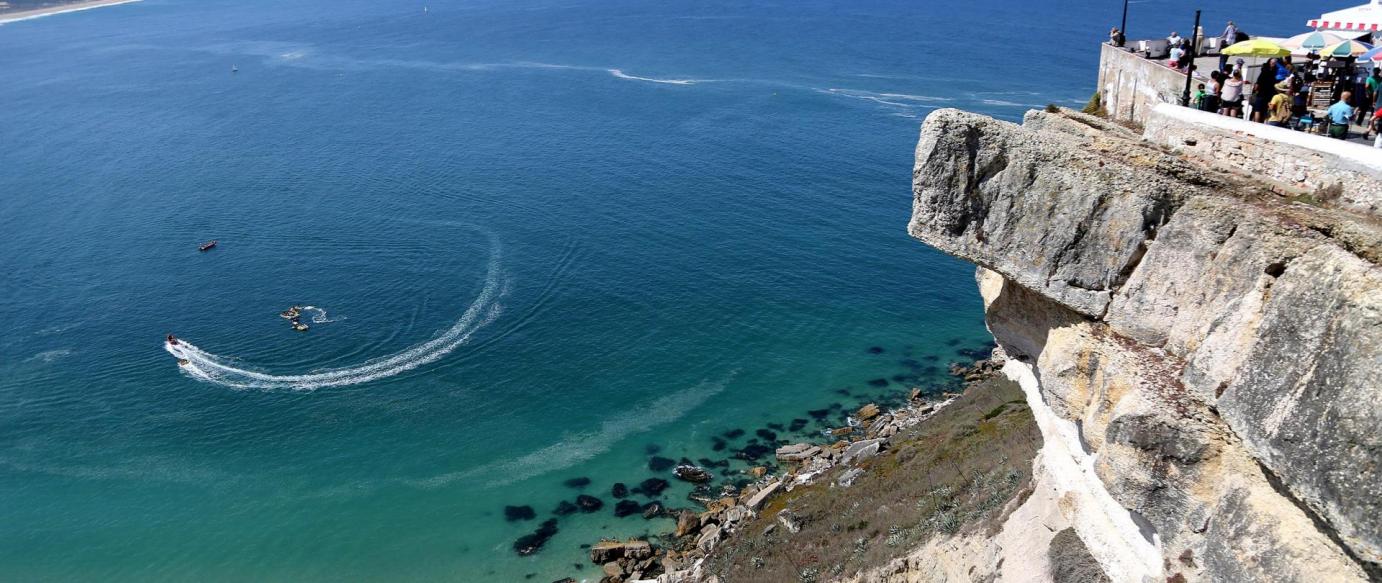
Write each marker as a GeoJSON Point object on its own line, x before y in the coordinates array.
{"type": "Point", "coordinates": [1345, 174]}
{"type": "Point", "coordinates": [1130, 86]}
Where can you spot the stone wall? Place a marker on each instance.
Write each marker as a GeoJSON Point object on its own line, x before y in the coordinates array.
{"type": "Point", "coordinates": [1130, 86]}
{"type": "Point", "coordinates": [1213, 351]}
{"type": "Point", "coordinates": [1332, 171]}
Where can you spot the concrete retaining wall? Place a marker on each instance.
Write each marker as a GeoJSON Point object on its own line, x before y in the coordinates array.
{"type": "Point", "coordinates": [1347, 175]}
{"type": "Point", "coordinates": [1130, 86]}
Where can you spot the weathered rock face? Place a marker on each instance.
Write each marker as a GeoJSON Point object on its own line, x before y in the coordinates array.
{"type": "Point", "coordinates": [1219, 349]}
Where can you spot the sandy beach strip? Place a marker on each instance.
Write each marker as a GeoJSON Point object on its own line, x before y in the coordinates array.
{"type": "Point", "coordinates": [51, 10]}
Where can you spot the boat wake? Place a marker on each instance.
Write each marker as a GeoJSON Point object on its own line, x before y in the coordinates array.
{"type": "Point", "coordinates": [622, 75]}
{"type": "Point", "coordinates": [319, 315]}
{"type": "Point", "coordinates": [221, 370]}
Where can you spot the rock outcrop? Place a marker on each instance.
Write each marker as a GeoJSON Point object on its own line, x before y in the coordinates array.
{"type": "Point", "coordinates": [1208, 350]}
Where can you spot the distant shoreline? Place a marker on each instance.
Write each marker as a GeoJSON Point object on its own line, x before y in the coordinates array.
{"type": "Point", "coordinates": [51, 10]}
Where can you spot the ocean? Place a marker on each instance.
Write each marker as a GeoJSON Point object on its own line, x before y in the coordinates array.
{"type": "Point", "coordinates": [542, 241]}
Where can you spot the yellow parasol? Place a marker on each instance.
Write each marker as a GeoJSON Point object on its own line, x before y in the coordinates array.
{"type": "Point", "coordinates": [1256, 48]}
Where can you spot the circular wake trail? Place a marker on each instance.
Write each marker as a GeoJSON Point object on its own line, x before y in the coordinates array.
{"type": "Point", "coordinates": [220, 370]}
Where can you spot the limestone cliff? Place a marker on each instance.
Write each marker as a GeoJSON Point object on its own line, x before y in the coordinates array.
{"type": "Point", "coordinates": [1202, 350]}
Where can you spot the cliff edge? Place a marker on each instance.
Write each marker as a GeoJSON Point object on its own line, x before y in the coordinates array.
{"type": "Point", "coordinates": [1200, 345]}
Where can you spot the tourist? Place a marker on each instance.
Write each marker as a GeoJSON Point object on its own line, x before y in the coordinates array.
{"type": "Point", "coordinates": [1377, 128]}
{"type": "Point", "coordinates": [1238, 68]}
{"type": "Point", "coordinates": [1370, 94]}
{"type": "Point", "coordinates": [1263, 90]}
{"type": "Point", "coordinates": [1229, 37]}
{"type": "Point", "coordinates": [1177, 55]}
{"type": "Point", "coordinates": [1284, 69]}
{"type": "Point", "coordinates": [1339, 116]}
{"type": "Point", "coordinates": [1279, 109]}
{"type": "Point", "coordinates": [1116, 38]}
{"type": "Point", "coordinates": [1197, 101]}
{"type": "Point", "coordinates": [1175, 40]}
{"type": "Point", "coordinates": [1232, 95]}
{"type": "Point", "coordinates": [1211, 101]}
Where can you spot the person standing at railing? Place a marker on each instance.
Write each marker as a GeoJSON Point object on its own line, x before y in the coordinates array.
{"type": "Point", "coordinates": [1229, 37]}
{"type": "Point", "coordinates": [1116, 38]}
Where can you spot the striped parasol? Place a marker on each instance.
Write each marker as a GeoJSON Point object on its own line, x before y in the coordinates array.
{"type": "Point", "coordinates": [1307, 42]}
{"type": "Point", "coordinates": [1348, 48]}
{"type": "Point", "coordinates": [1374, 55]}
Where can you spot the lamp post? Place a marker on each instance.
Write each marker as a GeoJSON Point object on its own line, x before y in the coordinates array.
{"type": "Point", "coordinates": [1190, 69]}
{"type": "Point", "coordinates": [1123, 28]}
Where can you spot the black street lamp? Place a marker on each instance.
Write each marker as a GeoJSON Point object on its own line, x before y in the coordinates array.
{"type": "Point", "coordinates": [1123, 28]}
{"type": "Point", "coordinates": [1194, 52]}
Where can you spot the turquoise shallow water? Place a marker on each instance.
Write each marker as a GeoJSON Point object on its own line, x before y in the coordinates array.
{"type": "Point", "coordinates": [553, 237]}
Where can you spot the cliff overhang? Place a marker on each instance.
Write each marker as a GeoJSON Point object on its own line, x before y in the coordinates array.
{"type": "Point", "coordinates": [1208, 335]}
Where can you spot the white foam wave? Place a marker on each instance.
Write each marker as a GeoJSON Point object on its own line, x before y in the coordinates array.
{"type": "Point", "coordinates": [221, 370]}
{"type": "Point", "coordinates": [622, 75]}
{"type": "Point", "coordinates": [319, 315]}
{"type": "Point", "coordinates": [6, 20]}
{"type": "Point", "coordinates": [50, 355]}
{"type": "Point", "coordinates": [1003, 103]}
{"type": "Point", "coordinates": [902, 100]}
{"type": "Point", "coordinates": [579, 447]}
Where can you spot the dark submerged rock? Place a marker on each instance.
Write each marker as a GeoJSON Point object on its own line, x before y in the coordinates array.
{"type": "Point", "coordinates": [532, 543]}
{"type": "Point", "coordinates": [565, 508]}
{"type": "Point", "coordinates": [516, 513]}
{"type": "Point", "coordinates": [797, 425]}
{"type": "Point", "coordinates": [619, 490]}
{"type": "Point", "coordinates": [880, 383]}
{"type": "Point", "coordinates": [753, 452]}
{"type": "Point", "coordinates": [652, 510]}
{"type": "Point", "coordinates": [627, 508]}
{"type": "Point", "coordinates": [875, 350]}
{"type": "Point", "coordinates": [589, 503]}
{"type": "Point", "coordinates": [580, 482]}
{"type": "Point", "coordinates": [734, 433]}
{"type": "Point", "coordinates": [652, 448]}
{"type": "Point", "coordinates": [766, 434]}
{"type": "Point", "coordinates": [776, 427]}
{"type": "Point", "coordinates": [693, 474]}
{"type": "Point", "coordinates": [660, 464]}
{"type": "Point", "coordinates": [701, 494]}
{"type": "Point", "coordinates": [718, 444]}
{"type": "Point", "coordinates": [819, 413]}
{"type": "Point", "coordinates": [652, 487]}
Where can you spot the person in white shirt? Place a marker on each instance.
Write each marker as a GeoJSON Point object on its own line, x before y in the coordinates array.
{"type": "Point", "coordinates": [1175, 39]}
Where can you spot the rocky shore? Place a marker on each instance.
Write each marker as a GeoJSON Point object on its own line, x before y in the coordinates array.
{"type": "Point", "coordinates": [839, 463]}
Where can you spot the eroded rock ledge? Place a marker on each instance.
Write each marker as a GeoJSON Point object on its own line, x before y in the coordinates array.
{"type": "Point", "coordinates": [1215, 347]}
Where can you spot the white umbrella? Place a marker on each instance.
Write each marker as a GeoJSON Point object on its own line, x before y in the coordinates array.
{"type": "Point", "coordinates": [1307, 42]}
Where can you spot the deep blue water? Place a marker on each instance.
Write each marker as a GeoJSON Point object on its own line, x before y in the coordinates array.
{"type": "Point", "coordinates": [551, 236]}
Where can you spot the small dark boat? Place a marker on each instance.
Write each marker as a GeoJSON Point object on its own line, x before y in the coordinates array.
{"type": "Point", "coordinates": [207, 246]}
{"type": "Point", "coordinates": [172, 340]}
{"type": "Point", "coordinates": [183, 362]}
